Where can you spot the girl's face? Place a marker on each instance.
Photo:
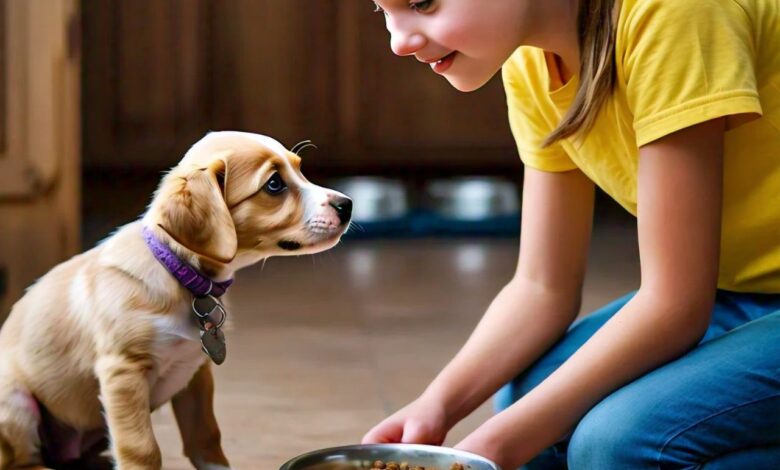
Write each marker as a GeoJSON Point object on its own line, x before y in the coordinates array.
{"type": "Point", "coordinates": [466, 41]}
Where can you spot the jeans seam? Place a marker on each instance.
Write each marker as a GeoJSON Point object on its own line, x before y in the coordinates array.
{"type": "Point", "coordinates": [677, 434]}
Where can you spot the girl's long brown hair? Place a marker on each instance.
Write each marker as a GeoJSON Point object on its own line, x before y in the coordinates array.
{"type": "Point", "coordinates": [597, 24]}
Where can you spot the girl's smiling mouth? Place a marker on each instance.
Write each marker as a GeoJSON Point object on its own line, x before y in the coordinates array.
{"type": "Point", "coordinates": [443, 64]}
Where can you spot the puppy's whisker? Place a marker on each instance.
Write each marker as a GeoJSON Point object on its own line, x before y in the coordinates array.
{"type": "Point", "coordinates": [354, 227]}
{"type": "Point", "coordinates": [297, 148]}
{"type": "Point", "coordinates": [305, 146]}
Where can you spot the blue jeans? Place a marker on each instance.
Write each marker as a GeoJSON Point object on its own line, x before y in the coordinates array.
{"type": "Point", "coordinates": [715, 408]}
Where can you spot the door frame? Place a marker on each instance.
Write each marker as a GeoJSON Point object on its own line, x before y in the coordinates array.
{"type": "Point", "coordinates": [40, 65]}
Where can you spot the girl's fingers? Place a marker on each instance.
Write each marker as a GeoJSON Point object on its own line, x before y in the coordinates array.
{"type": "Point", "coordinates": [417, 433]}
{"type": "Point", "coordinates": [386, 432]}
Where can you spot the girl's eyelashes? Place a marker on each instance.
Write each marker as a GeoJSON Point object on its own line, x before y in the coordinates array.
{"type": "Point", "coordinates": [420, 5]}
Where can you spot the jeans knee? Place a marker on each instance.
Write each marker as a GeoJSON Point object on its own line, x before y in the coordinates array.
{"type": "Point", "coordinates": [575, 337]}
{"type": "Point", "coordinates": [608, 437]}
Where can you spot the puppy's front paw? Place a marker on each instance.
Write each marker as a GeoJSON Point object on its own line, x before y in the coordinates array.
{"type": "Point", "coordinates": [201, 465]}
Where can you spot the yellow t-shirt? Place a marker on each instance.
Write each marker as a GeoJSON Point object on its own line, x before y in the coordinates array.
{"type": "Point", "coordinates": [679, 63]}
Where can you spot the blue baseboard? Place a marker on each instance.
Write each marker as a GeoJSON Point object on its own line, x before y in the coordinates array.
{"type": "Point", "coordinates": [423, 223]}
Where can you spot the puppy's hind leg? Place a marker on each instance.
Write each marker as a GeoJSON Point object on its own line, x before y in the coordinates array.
{"type": "Point", "coordinates": [20, 444]}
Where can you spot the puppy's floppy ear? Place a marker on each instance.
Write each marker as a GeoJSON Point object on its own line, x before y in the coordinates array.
{"type": "Point", "coordinates": [192, 209]}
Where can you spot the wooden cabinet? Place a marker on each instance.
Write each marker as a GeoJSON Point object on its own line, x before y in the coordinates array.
{"type": "Point", "coordinates": [39, 140]}
{"type": "Point", "coordinates": [158, 74]}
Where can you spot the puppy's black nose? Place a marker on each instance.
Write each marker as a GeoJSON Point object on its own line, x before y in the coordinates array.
{"type": "Point", "coordinates": [343, 206]}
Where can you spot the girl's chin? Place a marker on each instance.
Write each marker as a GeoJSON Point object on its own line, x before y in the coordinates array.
{"type": "Point", "coordinates": [466, 84]}
{"type": "Point", "coordinates": [468, 80]}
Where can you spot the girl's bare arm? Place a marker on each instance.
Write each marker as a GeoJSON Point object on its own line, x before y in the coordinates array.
{"type": "Point", "coordinates": [535, 308]}
{"type": "Point", "coordinates": [679, 214]}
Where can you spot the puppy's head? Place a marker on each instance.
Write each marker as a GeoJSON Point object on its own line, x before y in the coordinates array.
{"type": "Point", "coordinates": [236, 198]}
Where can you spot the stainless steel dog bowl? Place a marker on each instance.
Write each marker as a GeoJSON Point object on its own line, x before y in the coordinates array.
{"type": "Point", "coordinates": [360, 457]}
{"type": "Point", "coordinates": [473, 198]}
{"type": "Point", "coordinates": [374, 199]}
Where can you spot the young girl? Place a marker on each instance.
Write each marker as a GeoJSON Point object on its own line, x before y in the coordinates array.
{"type": "Point", "coordinates": [673, 108]}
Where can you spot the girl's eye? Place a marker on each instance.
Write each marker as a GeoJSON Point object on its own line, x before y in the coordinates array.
{"type": "Point", "coordinates": [420, 5]}
{"type": "Point", "coordinates": [275, 185]}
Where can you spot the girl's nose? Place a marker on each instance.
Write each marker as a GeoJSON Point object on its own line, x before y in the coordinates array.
{"type": "Point", "coordinates": [405, 43]}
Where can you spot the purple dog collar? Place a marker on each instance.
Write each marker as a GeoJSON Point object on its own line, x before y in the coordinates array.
{"type": "Point", "coordinates": [187, 276]}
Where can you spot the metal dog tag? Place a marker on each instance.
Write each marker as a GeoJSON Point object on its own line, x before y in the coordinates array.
{"type": "Point", "coordinates": [204, 306]}
{"type": "Point", "coordinates": [213, 343]}
{"type": "Point", "coordinates": [212, 339]}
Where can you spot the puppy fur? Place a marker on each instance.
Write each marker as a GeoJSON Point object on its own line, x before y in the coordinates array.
{"type": "Point", "coordinates": [108, 336]}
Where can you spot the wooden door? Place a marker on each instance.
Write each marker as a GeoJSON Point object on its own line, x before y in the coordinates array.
{"type": "Point", "coordinates": [39, 140]}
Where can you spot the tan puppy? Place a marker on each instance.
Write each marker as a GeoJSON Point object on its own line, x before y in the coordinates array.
{"type": "Point", "coordinates": [108, 336]}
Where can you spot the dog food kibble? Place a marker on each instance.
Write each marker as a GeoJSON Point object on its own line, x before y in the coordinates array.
{"type": "Point", "coordinates": [379, 465]}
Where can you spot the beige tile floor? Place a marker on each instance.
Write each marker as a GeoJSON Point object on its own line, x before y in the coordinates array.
{"type": "Point", "coordinates": [323, 347]}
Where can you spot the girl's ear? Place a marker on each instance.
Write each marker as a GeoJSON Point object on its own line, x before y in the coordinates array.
{"type": "Point", "coordinates": [190, 206]}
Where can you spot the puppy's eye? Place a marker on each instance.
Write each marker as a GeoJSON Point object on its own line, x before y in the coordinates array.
{"type": "Point", "coordinates": [275, 185]}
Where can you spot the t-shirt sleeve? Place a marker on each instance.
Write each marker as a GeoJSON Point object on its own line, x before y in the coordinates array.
{"type": "Point", "coordinates": [529, 126]}
{"type": "Point", "coordinates": [685, 63]}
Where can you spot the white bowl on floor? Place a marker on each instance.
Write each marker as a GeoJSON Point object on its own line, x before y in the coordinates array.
{"type": "Point", "coordinates": [374, 199]}
{"type": "Point", "coordinates": [473, 198]}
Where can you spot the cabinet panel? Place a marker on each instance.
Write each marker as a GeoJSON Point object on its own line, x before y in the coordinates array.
{"type": "Point", "coordinates": [409, 117]}
{"type": "Point", "coordinates": [406, 103]}
{"type": "Point", "coordinates": [159, 74]}
{"type": "Point", "coordinates": [146, 80]}
{"type": "Point", "coordinates": [274, 69]}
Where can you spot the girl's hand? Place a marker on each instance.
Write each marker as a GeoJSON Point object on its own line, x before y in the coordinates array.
{"type": "Point", "coordinates": [423, 421]}
{"type": "Point", "coordinates": [490, 448]}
